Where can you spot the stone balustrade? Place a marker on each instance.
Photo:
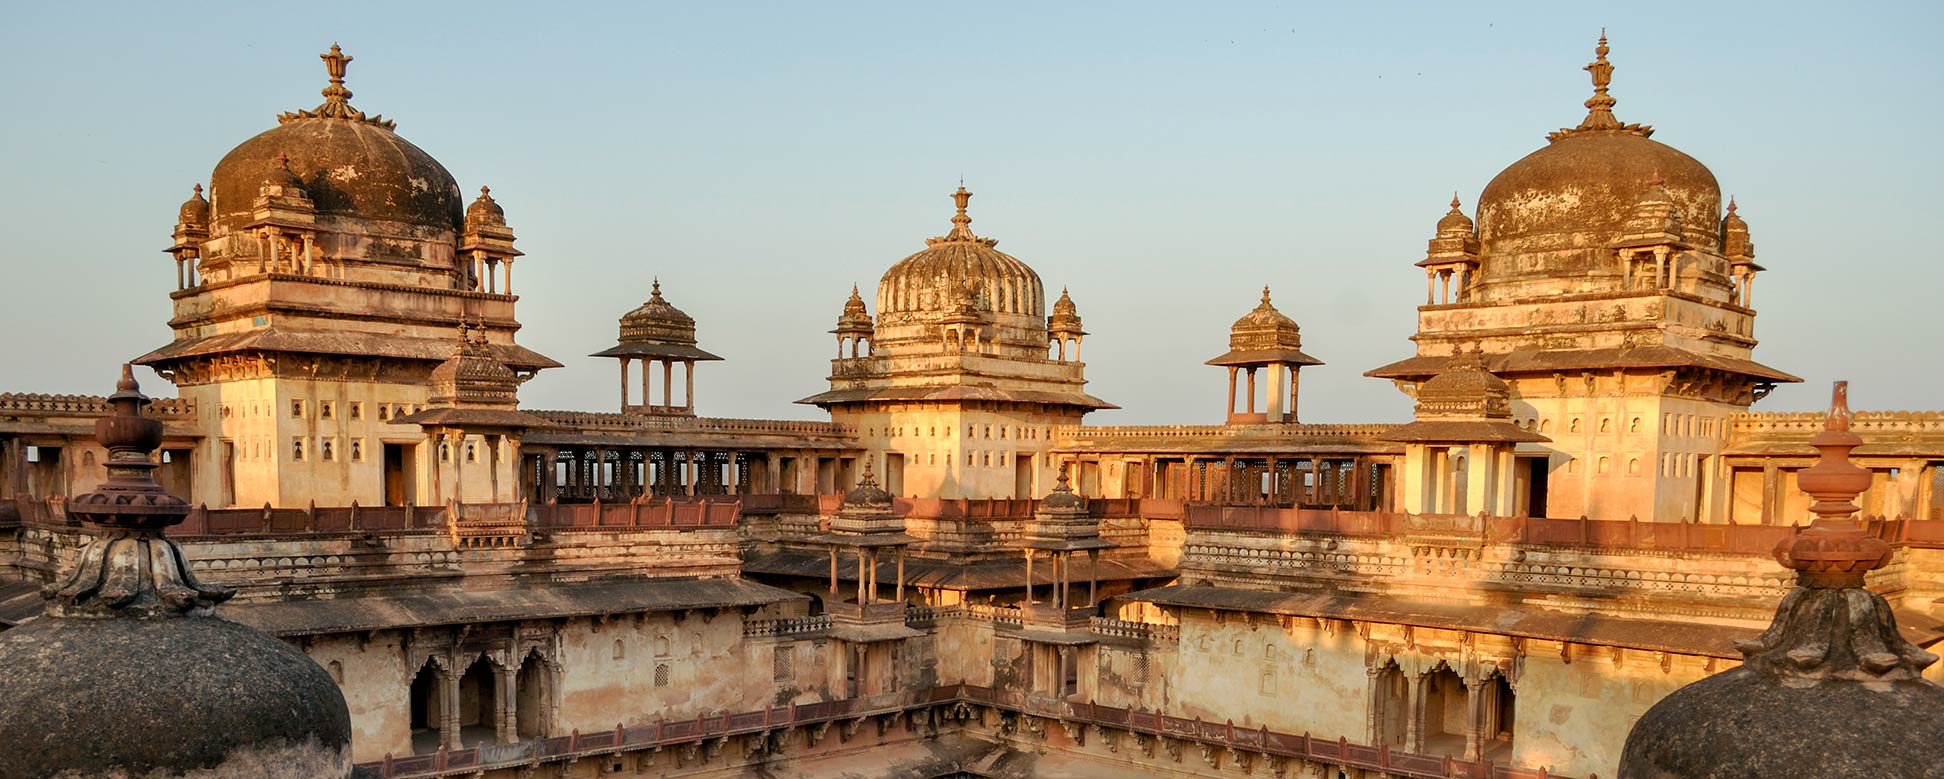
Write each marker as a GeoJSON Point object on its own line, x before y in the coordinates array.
{"type": "Point", "coordinates": [785, 626]}
{"type": "Point", "coordinates": [35, 404]}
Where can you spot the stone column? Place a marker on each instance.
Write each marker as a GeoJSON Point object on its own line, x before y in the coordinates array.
{"type": "Point", "coordinates": [624, 382]}
{"type": "Point", "coordinates": [668, 384]}
{"type": "Point", "coordinates": [1229, 409]}
{"type": "Point", "coordinates": [449, 714]}
{"type": "Point", "coordinates": [1374, 706]}
{"type": "Point", "coordinates": [1252, 390]}
{"type": "Point", "coordinates": [506, 711]}
{"type": "Point", "coordinates": [1474, 730]}
{"type": "Point", "coordinates": [1414, 724]}
{"type": "Point", "coordinates": [688, 395]}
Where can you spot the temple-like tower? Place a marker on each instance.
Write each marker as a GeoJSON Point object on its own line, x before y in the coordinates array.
{"type": "Point", "coordinates": [1606, 287]}
{"type": "Point", "coordinates": [1267, 342]}
{"type": "Point", "coordinates": [957, 393]}
{"type": "Point", "coordinates": [317, 290]}
{"type": "Point", "coordinates": [660, 336]}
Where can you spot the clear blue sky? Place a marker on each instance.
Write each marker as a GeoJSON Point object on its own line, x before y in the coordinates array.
{"type": "Point", "coordinates": [1163, 160]}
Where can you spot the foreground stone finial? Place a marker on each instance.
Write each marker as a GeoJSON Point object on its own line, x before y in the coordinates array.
{"type": "Point", "coordinates": [131, 569]}
{"type": "Point", "coordinates": [1831, 689]}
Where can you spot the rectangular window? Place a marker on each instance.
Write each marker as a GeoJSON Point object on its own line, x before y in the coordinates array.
{"type": "Point", "coordinates": [328, 450]}
{"type": "Point", "coordinates": [324, 410]}
{"type": "Point", "coordinates": [297, 409]}
{"type": "Point", "coordinates": [297, 449]}
{"type": "Point", "coordinates": [357, 450]}
{"type": "Point", "coordinates": [357, 410]}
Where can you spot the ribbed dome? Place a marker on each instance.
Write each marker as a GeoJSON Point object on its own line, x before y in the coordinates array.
{"type": "Point", "coordinates": [935, 280]}
{"type": "Point", "coordinates": [657, 321]}
{"type": "Point", "coordinates": [1577, 191]}
{"type": "Point", "coordinates": [350, 165]}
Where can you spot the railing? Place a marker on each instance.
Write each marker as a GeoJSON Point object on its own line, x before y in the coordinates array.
{"type": "Point", "coordinates": [774, 503]}
{"type": "Point", "coordinates": [662, 734]}
{"type": "Point", "coordinates": [1066, 433]}
{"type": "Point", "coordinates": [90, 405]}
{"type": "Point", "coordinates": [1538, 531]}
{"type": "Point", "coordinates": [785, 626]}
{"type": "Point", "coordinates": [686, 511]}
{"type": "Point", "coordinates": [1144, 631]}
{"type": "Point", "coordinates": [1811, 422]}
{"type": "Point", "coordinates": [675, 513]}
{"type": "Point", "coordinates": [618, 421]}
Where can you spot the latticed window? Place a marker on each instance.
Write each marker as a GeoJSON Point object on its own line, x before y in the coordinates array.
{"type": "Point", "coordinates": [661, 674]}
{"type": "Point", "coordinates": [781, 663]}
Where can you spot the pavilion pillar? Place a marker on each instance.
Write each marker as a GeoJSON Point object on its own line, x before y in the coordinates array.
{"type": "Point", "coordinates": [625, 361]}
{"type": "Point", "coordinates": [1252, 389]}
{"type": "Point", "coordinates": [668, 384]}
{"type": "Point", "coordinates": [901, 575]}
{"type": "Point", "coordinates": [833, 571]}
{"type": "Point", "coordinates": [688, 395]}
{"type": "Point", "coordinates": [1029, 577]}
{"type": "Point", "coordinates": [1474, 730]}
{"type": "Point", "coordinates": [1229, 410]}
{"type": "Point", "coordinates": [1414, 724]}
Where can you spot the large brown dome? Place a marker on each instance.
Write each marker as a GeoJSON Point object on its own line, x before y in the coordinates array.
{"type": "Point", "coordinates": [348, 163]}
{"type": "Point", "coordinates": [1578, 191]}
{"type": "Point", "coordinates": [348, 167]}
{"type": "Point", "coordinates": [1573, 197]}
{"type": "Point", "coordinates": [938, 279]}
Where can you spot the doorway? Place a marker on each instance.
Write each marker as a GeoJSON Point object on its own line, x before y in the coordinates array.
{"type": "Point", "coordinates": [1023, 476]}
{"type": "Point", "coordinates": [399, 470]}
{"type": "Point", "coordinates": [1537, 469]}
{"type": "Point", "coordinates": [894, 468]}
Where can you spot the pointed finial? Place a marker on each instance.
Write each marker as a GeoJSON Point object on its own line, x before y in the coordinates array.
{"type": "Point", "coordinates": [1656, 180]}
{"type": "Point", "coordinates": [335, 62]}
{"type": "Point", "coordinates": [655, 292]}
{"type": "Point", "coordinates": [485, 191]}
{"type": "Point", "coordinates": [1265, 294]}
{"type": "Point", "coordinates": [1731, 204]}
{"type": "Point", "coordinates": [1454, 201]}
{"type": "Point", "coordinates": [198, 192]}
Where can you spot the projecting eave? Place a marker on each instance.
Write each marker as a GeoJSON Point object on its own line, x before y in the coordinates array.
{"type": "Point", "coordinates": [669, 351]}
{"type": "Point", "coordinates": [957, 393]}
{"type": "Point", "coordinates": [1550, 361]}
{"type": "Point", "coordinates": [475, 418]}
{"type": "Point", "coordinates": [1264, 356]}
{"type": "Point", "coordinates": [1456, 431]}
{"type": "Point", "coordinates": [513, 356]}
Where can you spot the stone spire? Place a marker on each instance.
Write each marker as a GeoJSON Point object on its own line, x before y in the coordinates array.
{"type": "Point", "coordinates": [1831, 689]}
{"type": "Point", "coordinates": [1599, 107]}
{"type": "Point", "coordinates": [337, 98]}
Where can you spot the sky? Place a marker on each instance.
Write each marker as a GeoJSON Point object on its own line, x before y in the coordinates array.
{"type": "Point", "coordinates": [1164, 161]}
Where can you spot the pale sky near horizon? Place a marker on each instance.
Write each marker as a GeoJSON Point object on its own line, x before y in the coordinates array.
{"type": "Point", "coordinates": [1164, 161]}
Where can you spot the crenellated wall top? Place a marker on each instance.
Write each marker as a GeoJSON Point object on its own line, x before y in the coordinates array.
{"type": "Point", "coordinates": [88, 405]}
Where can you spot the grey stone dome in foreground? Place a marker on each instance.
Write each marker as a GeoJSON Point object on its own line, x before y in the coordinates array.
{"type": "Point", "coordinates": [1831, 690]}
{"type": "Point", "coordinates": [130, 675]}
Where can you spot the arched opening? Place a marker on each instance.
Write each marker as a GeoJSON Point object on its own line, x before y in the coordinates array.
{"type": "Point", "coordinates": [427, 709]}
{"type": "Point", "coordinates": [478, 704]}
{"type": "Point", "coordinates": [532, 700]}
{"type": "Point", "coordinates": [1392, 697]}
{"type": "Point", "coordinates": [1444, 714]}
{"type": "Point", "coordinates": [1497, 709]}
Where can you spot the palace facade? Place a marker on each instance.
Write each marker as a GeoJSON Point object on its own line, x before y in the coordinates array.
{"type": "Point", "coordinates": [956, 575]}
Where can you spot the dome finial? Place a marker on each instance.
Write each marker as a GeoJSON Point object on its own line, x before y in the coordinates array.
{"type": "Point", "coordinates": [1731, 204]}
{"type": "Point", "coordinates": [1599, 107]}
{"type": "Point", "coordinates": [1454, 202]}
{"type": "Point", "coordinates": [654, 292]}
{"type": "Point", "coordinates": [1265, 293]}
{"type": "Point", "coordinates": [198, 192]}
{"type": "Point", "coordinates": [337, 98]}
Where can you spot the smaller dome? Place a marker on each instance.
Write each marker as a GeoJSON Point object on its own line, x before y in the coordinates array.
{"type": "Point", "coordinates": [485, 210]}
{"type": "Point", "coordinates": [657, 320]}
{"type": "Point", "coordinates": [473, 376]}
{"type": "Point", "coordinates": [194, 211]}
{"type": "Point", "coordinates": [1454, 220]}
{"type": "Point", "coordinates": [1464, 383]}
{"type": "Point", "coordinates": [855, 318]}
{"type": "Point", "coordinates": [1735, 242]}
{"type": "Point", "coordinates": [867, 494]}
{"type": "Point", "coordinates": [1062, 498]}
{"type": "Point", "coordinates": [1264, 315]}
{"type": "Point", "coordinates": [281, 176]}
{"type": "Point", "coordinates": [958, 263]}
{"type": "Point", "coordinates": [1066, 316]}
